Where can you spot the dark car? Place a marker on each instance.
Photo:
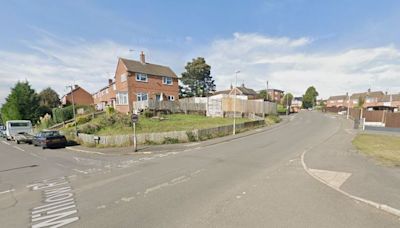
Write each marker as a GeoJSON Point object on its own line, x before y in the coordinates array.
{"type": "Point", "coordinates": [49, 139]}
{"type": "Point", "coordinates": [23, 137]}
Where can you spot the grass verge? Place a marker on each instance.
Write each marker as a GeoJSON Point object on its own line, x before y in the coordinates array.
{"type": "Point", "coordinates": [384, 148]}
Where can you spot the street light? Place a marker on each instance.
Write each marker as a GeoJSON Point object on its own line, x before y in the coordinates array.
{"type": "Point", "coordinates": [234, 104]}
{"type": "Point", "coordinates": [348, 105]}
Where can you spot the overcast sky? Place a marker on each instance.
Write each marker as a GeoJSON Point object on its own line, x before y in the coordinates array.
{"type": "Point", "coordinates": [337, 46]}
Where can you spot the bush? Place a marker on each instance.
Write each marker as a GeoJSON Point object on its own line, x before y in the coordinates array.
{"type": "Point", "coordinates": [191, 136]}
{"type": "Point", "coordinates": [281, 109]}
{"type": "Point", "coordinates": [168, 140]}
{"type": "Point", "coordinates": [110, 110]}
{"type": "Point", "coordinates": [45, 122]}
{"type": "Point", "coordinates": [62, 114]}
{"type": "Point", "coordinates": [148, 114]}
{"type": "Point", "coordinates": [89, 128]}
{"type": "Point", "coordinates": [83, 119]}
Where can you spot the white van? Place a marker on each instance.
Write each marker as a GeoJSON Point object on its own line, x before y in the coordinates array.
{"type": "Point", "coordinates": [14, 127]}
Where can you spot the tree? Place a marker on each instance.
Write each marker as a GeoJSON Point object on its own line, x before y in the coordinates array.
{"type": "Point", "coordinates": [21, 103]}
{"type": "Point", "coordinates": [197, 79]}
{"type": "Point", "coordinates": [264, 95]}
{"type": "Point", "coordinates": [49, 98]}
{"type": "Point", "coordinates": [309, 98]}
{"type": "Point", "coordinates": [287, 99]}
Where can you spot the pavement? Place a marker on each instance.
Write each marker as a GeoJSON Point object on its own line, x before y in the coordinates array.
{"type": "Point", "coordinates": [266, 179]}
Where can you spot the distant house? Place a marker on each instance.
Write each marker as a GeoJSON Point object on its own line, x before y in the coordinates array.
{"type": "Point", "coordinates": [138, 81]}
{"type": "Point", "coordinates": [388, 102]}
{"type": "Point", "coordinates": [275, 95]}
{"type": "Point", "coordinates": [79, 96]}
{"type": "Point", "coordinates": [371, 98]}
{"type": "Point", "coordinates": [105, 96]}
{"type": "Point", "coordinates": [243, 91]}
{"type": "Point", "coordinates": [297, 103]}
{"type": "Point", "coordinates": [337, 101]}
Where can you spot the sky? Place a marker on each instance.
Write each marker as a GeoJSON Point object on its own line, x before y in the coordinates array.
{"type": "Point", "coordinates": [338, 46]}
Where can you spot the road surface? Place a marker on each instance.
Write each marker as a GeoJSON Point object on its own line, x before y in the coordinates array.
{"type": "Point", "coordinates": [253, 181]}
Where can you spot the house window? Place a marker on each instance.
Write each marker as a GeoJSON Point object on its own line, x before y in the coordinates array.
{"type": "Point", "coordinates": [141, 97]}
{"type": "Point", "coordinates": [141, 77]}
{"type": "Point", "coordinates": [106, 90]}
{"type": "Point", "coordinates": [114, 87]}
{"type": "Point", "coordinates": [355, 101]}
{"type": "Point", "coordinates": [124, 77]}
{"type": "Point", "coordinates": [171, 98]}
{"type": "Point", "coordinates": [122, 98]}
{"type": "Point", "coordinates": [167, 80]}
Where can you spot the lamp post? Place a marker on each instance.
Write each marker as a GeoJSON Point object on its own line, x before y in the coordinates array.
{"type": "Point", "coordinates": [348, 105]}
{"type": "Point", "coordinates": [234, 104]}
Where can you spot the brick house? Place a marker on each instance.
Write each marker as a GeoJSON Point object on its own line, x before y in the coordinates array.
{"type": "Point", "coordinates": [105, 96]}
{"type": "Point", "coordinates": [337, 101]}
{"type": "Point", "coordinates": [389, 102]}
{"type": "Point", "coordinates": [371, 98]}
{"type": "Point", "coordinates": [81, 97]}
{"type": "Point", "coordinates": [139, 81]}
{"type": "Point", "coordinates": [276, 95]}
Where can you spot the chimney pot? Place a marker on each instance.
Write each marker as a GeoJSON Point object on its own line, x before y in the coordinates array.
{"type": "Point", "coordinates": [142, 58]}
{"type": "Point", "coordinates": [109, 81]}
{"type": "Point", "coordinates": [76, 86]}
{"type": "Point", "coordinates": [369, 90]}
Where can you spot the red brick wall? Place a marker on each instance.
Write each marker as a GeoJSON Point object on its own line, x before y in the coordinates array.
{"type": "Point", "coordinates": [80, 97]}
{"type": "Point", "coordinates": [153, 86]}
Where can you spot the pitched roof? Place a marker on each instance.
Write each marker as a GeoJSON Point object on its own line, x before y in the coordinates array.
{"type": "Point", "coordinates": [222, 92]}
{"type": "Point", "coordinates": [148, 68]}
{"type": "Point", "coordinates": [377, 94]}
{"type": "Point", "coordinates": [339, 97]}
{"type": "Point", "coordinates": [247, 91]}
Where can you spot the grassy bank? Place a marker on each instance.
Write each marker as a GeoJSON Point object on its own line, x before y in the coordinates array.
{"type": "Point", "coordinates": [385, 149]}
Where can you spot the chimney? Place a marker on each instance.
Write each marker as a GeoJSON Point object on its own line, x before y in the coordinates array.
{"type": "Point", "coordinates": [243, 84]}
{"type": "Point", "coordinates": [109, 81]}
{"type": "Point", "coordinates": [386, 93]}
{"type": "Point", "coordinates": [369, 90]}
{"type": "Point", "coordinates": [76, 86]}
{"type": "Point", "coordinates": [231, 86]}
{"type": "Point", "coordinates": [142, 58]}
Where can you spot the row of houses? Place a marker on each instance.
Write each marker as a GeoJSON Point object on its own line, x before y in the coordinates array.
{"type": "Point", "coordinates": [374, 100]}
{"type": "Point", "coordinates": [140, 81]}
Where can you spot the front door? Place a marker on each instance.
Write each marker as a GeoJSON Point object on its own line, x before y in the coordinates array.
{"type": "Point", "coordinates": [158, 97]}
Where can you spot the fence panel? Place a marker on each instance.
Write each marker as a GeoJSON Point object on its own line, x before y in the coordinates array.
{"type": "Point", "coordinates": [393, 119]}
{"type": "Point", "coordinates": [374, 116]}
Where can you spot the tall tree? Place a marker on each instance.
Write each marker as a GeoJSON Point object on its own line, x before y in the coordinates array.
{"type": "Point", "coordinates": [49, 98]}
{"type": "Point", "coordinates": [287, 99]}
{"type": "Point", "coordinates": [197, 79]}
{"type": "Point", "coordinates": [264, 95]}
{"type": "Point", "coordinates": [309, 98]}
{"type": "Point", "coordinates": [21, 103]}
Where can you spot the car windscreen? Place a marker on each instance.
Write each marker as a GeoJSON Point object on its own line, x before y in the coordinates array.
{"type": "Point", "coordinates": [50, 133]}
{"type": "Point", "coordinates": [19, 124]}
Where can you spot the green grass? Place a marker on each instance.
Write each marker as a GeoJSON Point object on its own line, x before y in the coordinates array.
{"type": "Point", "coordinates": [175, 122]}
{"type": "Point", "coordinates": [272, 119]}
{"type": "Point", "coordinates": [384, 148]}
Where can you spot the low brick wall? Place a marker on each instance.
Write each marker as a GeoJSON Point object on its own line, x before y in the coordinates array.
{"type": "Point", "coordinates": [160, 137]}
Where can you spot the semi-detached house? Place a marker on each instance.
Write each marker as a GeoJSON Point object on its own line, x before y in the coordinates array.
{"type": "Point", "coordinates": [138, 81]}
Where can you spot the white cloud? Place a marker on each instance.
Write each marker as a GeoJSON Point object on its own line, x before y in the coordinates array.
{"type": "Point", "coordinates": [289, 64]}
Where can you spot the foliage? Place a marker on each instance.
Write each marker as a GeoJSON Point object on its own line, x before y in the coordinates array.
{"type": "Point", "coordinates": [83, 119]}
{"type": "Point", "coordinates": [197, 79]}
{"type": "Point", "coordinates": [361, 102]}
{"type": "Point", "coordinates": [168, 140]}
{"type": "Point", "coordinates": [191, 136]}
{"type": "Point", "coordinates": [89, 128]}
{"type": "Point", "coordinates": [264, 95]}
{"type": "Point", "coordinates": [62, 114]}
{"type": "Point", "coordinates": [281, 108]}
{"type": "Point", "coordinates": [272, 119]}
{"type": "Point", "coordinates": [49, 98]}
{"type": "Point", "coordinates": [110, 110]}
{"type": "Point", "coordinates": [21, 103]}
{"type": "Point", "coordinates": [45, 122]}
{"type": "Point", "coordinates": [309, 98]}
{"type": "Point", "coordinates": [148, 113]}
{"type": "Point", "coordinates": [287, 99]}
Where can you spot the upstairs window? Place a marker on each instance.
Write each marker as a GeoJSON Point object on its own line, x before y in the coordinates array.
{"type": "Point", "coordinates": [141, 97]}
{"type": "Point", "coordinates": [124, 77]}
{"type": "Point", "coordinates": [114, 87]}
{"type": "Point", "coordinates": [171, 98]}
{"type": "Point", "coordinates": [122, 98]}
{"type": "Point", "coordinates": [141, 77]}
{"type": "Point", "coordinates": [167, 80]}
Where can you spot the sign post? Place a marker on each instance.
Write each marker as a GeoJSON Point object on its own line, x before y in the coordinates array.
{"type": "Point", "coordinates": [135, 119]}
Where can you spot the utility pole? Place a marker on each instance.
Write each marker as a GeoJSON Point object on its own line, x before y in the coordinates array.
{"type": "Point", "coordinates": [73, 108]}
{"type": "Point", "coordinates": [234, 104]}
{"type": "Point", "coordinates": [348, 105]}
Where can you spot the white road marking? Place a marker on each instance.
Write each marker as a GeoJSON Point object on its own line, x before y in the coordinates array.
{"type": "Point", "coordinates": [101, 207]}
{"type": "Point", "coordinates": [127, 199]}
{"type": "Point", "coordinates": [383, 207]}
{"type": "Point", "coordinates": [5, 142]}
{"type": "Point", "coordinates": [61, 165]}
{"type": "Point", "coordinates": [80, 171]}
{"type": "Point", "coordinates": [84, 151]}
{"type": "Point", "coordinates": [192, 144]}
{"type": "Point", "coordinates": [19, 148]}
{"type": "Point", "coordinates": [336, 179]}
{"type": "Point", "coordinates": [7, 191]}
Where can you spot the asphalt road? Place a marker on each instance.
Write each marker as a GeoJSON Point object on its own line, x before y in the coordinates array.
{"type": "Point", "coordinates": [252, 181]}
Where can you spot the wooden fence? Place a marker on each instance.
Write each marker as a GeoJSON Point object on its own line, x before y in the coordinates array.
{"type": "Point", "coordinates": [392, 119]}
{"type": "Point", "coordinates": [248, 106]}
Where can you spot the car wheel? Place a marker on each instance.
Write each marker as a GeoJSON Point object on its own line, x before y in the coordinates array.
{"type": "Point", "coordinates": [43, 147]}
{"type": "Point", "coordinates": [18, 142]}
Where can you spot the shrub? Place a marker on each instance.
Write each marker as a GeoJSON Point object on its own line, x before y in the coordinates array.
{"type": "Point", "coordinates": [148, 114]}
{"type": "Point", "coordinates": [191, 136]}
{"type": "Point", "coordinates": [168, 140]}
{"type": "Point", "coordinates": [281, 109]}
{"type": "Point", "coordinates": [45, 122]}
{"type": "Point", "coordinates": [110, 110]}
{"type": "Point", "coordinates": [89, 128]}
{"type": "Point", "coordinates": [83, 119]}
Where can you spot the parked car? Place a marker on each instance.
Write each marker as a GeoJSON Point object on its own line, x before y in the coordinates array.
{"type": "Point", "coordinates": [23, 137]}
{"type": "Point", "coordinates": [49, 139]}
{"type": "Point", "coordinates": [2, 131]}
